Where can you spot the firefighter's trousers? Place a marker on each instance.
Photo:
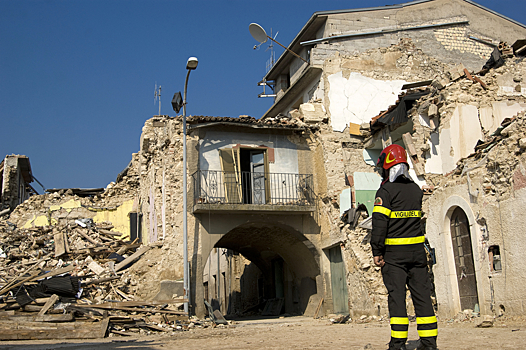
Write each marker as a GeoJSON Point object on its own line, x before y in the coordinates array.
{"type": "Point", "coordinates": [409, 268]}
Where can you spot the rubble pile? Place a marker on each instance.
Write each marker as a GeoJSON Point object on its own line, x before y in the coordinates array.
{"type": "Point", "coordinates": [75, 274]}
{"type": "Point", "coordinates": [496, 156]}
{"type": "Point", "coordinates": [281, 120]}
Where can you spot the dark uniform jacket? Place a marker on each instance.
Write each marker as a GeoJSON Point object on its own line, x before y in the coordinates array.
{"type": "Point", "coordinates": [396, 217]}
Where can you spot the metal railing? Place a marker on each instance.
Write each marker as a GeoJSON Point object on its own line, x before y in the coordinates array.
{"type": "Point", "coordinates": [220, 187]}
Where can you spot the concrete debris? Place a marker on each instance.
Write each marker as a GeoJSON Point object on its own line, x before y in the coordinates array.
{"type": "Point", "coordinates": [80, 284]}
{"type": "Point", "coordinates": [487, 322]}
{"type": "Point", "coordinates": [339, 319]}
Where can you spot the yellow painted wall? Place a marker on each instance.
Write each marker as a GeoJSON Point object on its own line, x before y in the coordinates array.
{"type": "Point", "coordinates": [118, 217]}
{"type": "Point", "coordinates": [71, 204]}
{"type": "Point", "coordinates": [39, 221]}
{"type": "Point", "coordinates": [43, 219]}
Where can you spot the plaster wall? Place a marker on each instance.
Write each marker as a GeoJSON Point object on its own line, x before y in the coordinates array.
{"type": "Point", "coordinates": [492, 117]}
{"type": "Point", "coordinates": [465, 131]}
{"type": "Point", "coordinates": [503, 219]}
{"type": "Point", "coordinates": [357, 99]}
{"type": "Point", "coordinates": [456, 140]}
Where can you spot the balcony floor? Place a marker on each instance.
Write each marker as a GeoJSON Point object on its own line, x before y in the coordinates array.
{"type": "Point", "coordinates": [253, 208]}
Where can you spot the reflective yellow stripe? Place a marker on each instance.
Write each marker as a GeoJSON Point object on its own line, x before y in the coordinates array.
{"type": "Point", "coordinates": [381, 210]}
{"type": "Point", "coordinates": [427, 333]}
{"type": "Point", "coordinates": [406, 214]}
{"type": "Point", "coordinates": [399, 334]}
{"type": "Point", "coordinates": [426, 320]}
{"type": "Point", "coordinates": [399, 320]}
{"type": "Point", "coordinates": [400, 241]}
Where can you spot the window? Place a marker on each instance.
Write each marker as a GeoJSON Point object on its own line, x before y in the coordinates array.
{"type": "Point", "coordinates": [494, 258]}
{"type": "Point", "coordinates": [246, 174]}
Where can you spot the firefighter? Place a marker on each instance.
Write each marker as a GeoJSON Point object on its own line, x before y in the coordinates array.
{"type": "Point", "coordinates": [397, 243]}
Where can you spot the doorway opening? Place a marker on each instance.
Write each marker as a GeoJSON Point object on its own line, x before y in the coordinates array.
{"type": "Point", "coordinates": [463, 253]}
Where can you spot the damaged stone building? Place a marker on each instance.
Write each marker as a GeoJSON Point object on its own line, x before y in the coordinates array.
{"type": "Point", "coordinates": [278, 206]}
{"type": "Point", "coordinates": [16, 177]}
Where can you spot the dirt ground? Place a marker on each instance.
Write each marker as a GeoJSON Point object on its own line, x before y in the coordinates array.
{"type": "Point", "coordinates": [300, 333]}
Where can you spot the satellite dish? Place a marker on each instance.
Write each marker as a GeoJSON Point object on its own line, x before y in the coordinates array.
{"type": "Point", "coordinates": [258, 32]}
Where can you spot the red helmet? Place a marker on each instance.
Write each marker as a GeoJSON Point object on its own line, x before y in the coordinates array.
{"type": "Point", "coordinates": [392, 155]}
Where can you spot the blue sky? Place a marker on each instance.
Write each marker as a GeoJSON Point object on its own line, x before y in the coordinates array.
{"type": "Point", "coordinates": [77, 77]}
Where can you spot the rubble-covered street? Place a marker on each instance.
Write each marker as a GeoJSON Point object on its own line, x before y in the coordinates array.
{"type": "Point", "coordinates": [302, 333]}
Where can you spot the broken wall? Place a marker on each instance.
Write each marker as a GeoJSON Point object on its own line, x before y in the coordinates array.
{"type": "Point", "coordinates": [359, 87]}
{"type": "Point", "coordinates": [480, 143]}
{"type": "Point", "coordinates": [442, 29]}
{"type": "Point", "coordinates": [160, 172]}
{"type": "Point", "coordinates": [63, 208]}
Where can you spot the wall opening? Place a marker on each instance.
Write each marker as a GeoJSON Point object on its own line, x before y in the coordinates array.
{"type": "Point", "coordinates": [494, 258]}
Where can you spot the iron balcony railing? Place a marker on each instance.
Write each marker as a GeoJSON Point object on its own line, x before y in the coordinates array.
{"type": "Point", "coordinates": [220, 187]}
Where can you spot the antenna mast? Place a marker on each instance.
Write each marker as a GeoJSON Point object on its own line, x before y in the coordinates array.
{"type": "Point", "coordinates": [157, 96]}
{"type": "Point", "coordinates": [272, 59]}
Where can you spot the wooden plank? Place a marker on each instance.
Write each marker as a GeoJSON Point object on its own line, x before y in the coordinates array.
{"type": "Point", "coordinates": [60, 247]}
{"type": "Point", "coordinates": [219, 319]}
{"type": "Point", "coordinates": [318, 308]}
{"type": "Point", "coordinates": [87, 237]}
{"type": "Point", "coordinates": [66, 242]}
{"type": "Point", "coordinates": [126, 247]}
{"type": "Point", "coordinates": [136, 309]}
{"type": "Point", "coordinates": [354, 129]}
{"type": "Point", "coordinates": [468, 75]}
{"type": "Point", "coordinates": [126, 334]}
{"type": "Point", "coordinates": [136, 303]}
{"type": "Point", "coordinates": [132, 258]}
{"type": "Point", "coordinates": [8, 287]}
{"type": "Point", "coordinates": [104, 325]}
{"type": "Point", "coordinates": [32, 308]}
{"type": "Point", "coordinates": [102, 280]}
{"type": "Point", "coordinates": [45, 318]}
{"type": "Point", "coordinates": [484, 86]}
{"type": "Point", "coordinates": [109, 233]}
{"type": "Point", "coordinates": [48, 304]}
{"type": "Point", "coordinates": [34, 331]}
{"type": "Point", "coordinates": [41, 301]}
{"type": "Point", "coordinates": [418, 84]}
{"type": "Point", "coordinates": [122, 294]}
{"type": "Point", "coordinates": [55, 272]}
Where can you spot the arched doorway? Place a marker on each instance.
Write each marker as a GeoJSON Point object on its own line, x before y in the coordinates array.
{"type": "Point", "coordinates": [463, 254]}
{"type": "Point", "coordinates": [276, 267]}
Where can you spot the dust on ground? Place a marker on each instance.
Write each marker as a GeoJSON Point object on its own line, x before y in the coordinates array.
{"type": "Point", "coordinates": [302, 333]}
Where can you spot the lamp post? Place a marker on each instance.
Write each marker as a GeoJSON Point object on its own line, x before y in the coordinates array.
{"type": "Point", "coordinates": [191, 64]}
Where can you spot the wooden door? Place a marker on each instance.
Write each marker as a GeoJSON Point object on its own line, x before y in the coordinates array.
{"type": "Point", "coordinates": [338, 282]}
{"type": "Point", "coordinates": [465, 268]}
{"type": "Point", "coordinates": [257, 170]}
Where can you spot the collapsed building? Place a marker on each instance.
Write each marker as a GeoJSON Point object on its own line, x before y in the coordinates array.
{"type": "Point", "coordinates": [279, 205]}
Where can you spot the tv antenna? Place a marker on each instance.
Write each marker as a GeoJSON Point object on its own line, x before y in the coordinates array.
{"type": "Point", "coordinates": [272, 59]}
{"type": "Point", "coordinates": [157, 96]}
{"type": "Point", "coordinates": [260, 35]}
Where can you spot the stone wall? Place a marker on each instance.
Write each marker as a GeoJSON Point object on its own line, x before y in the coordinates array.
{"type": "Point", "coordinates": [160, 197]}
{"type": "Point", "coordinates": [442, 29]}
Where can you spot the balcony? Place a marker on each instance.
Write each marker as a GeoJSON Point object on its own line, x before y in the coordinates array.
{"type": "Point", "coordinates": [252, 192]}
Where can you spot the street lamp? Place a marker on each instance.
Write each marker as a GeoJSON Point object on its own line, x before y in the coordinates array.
{"type": "Point", "coordinates": [191, 64]}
